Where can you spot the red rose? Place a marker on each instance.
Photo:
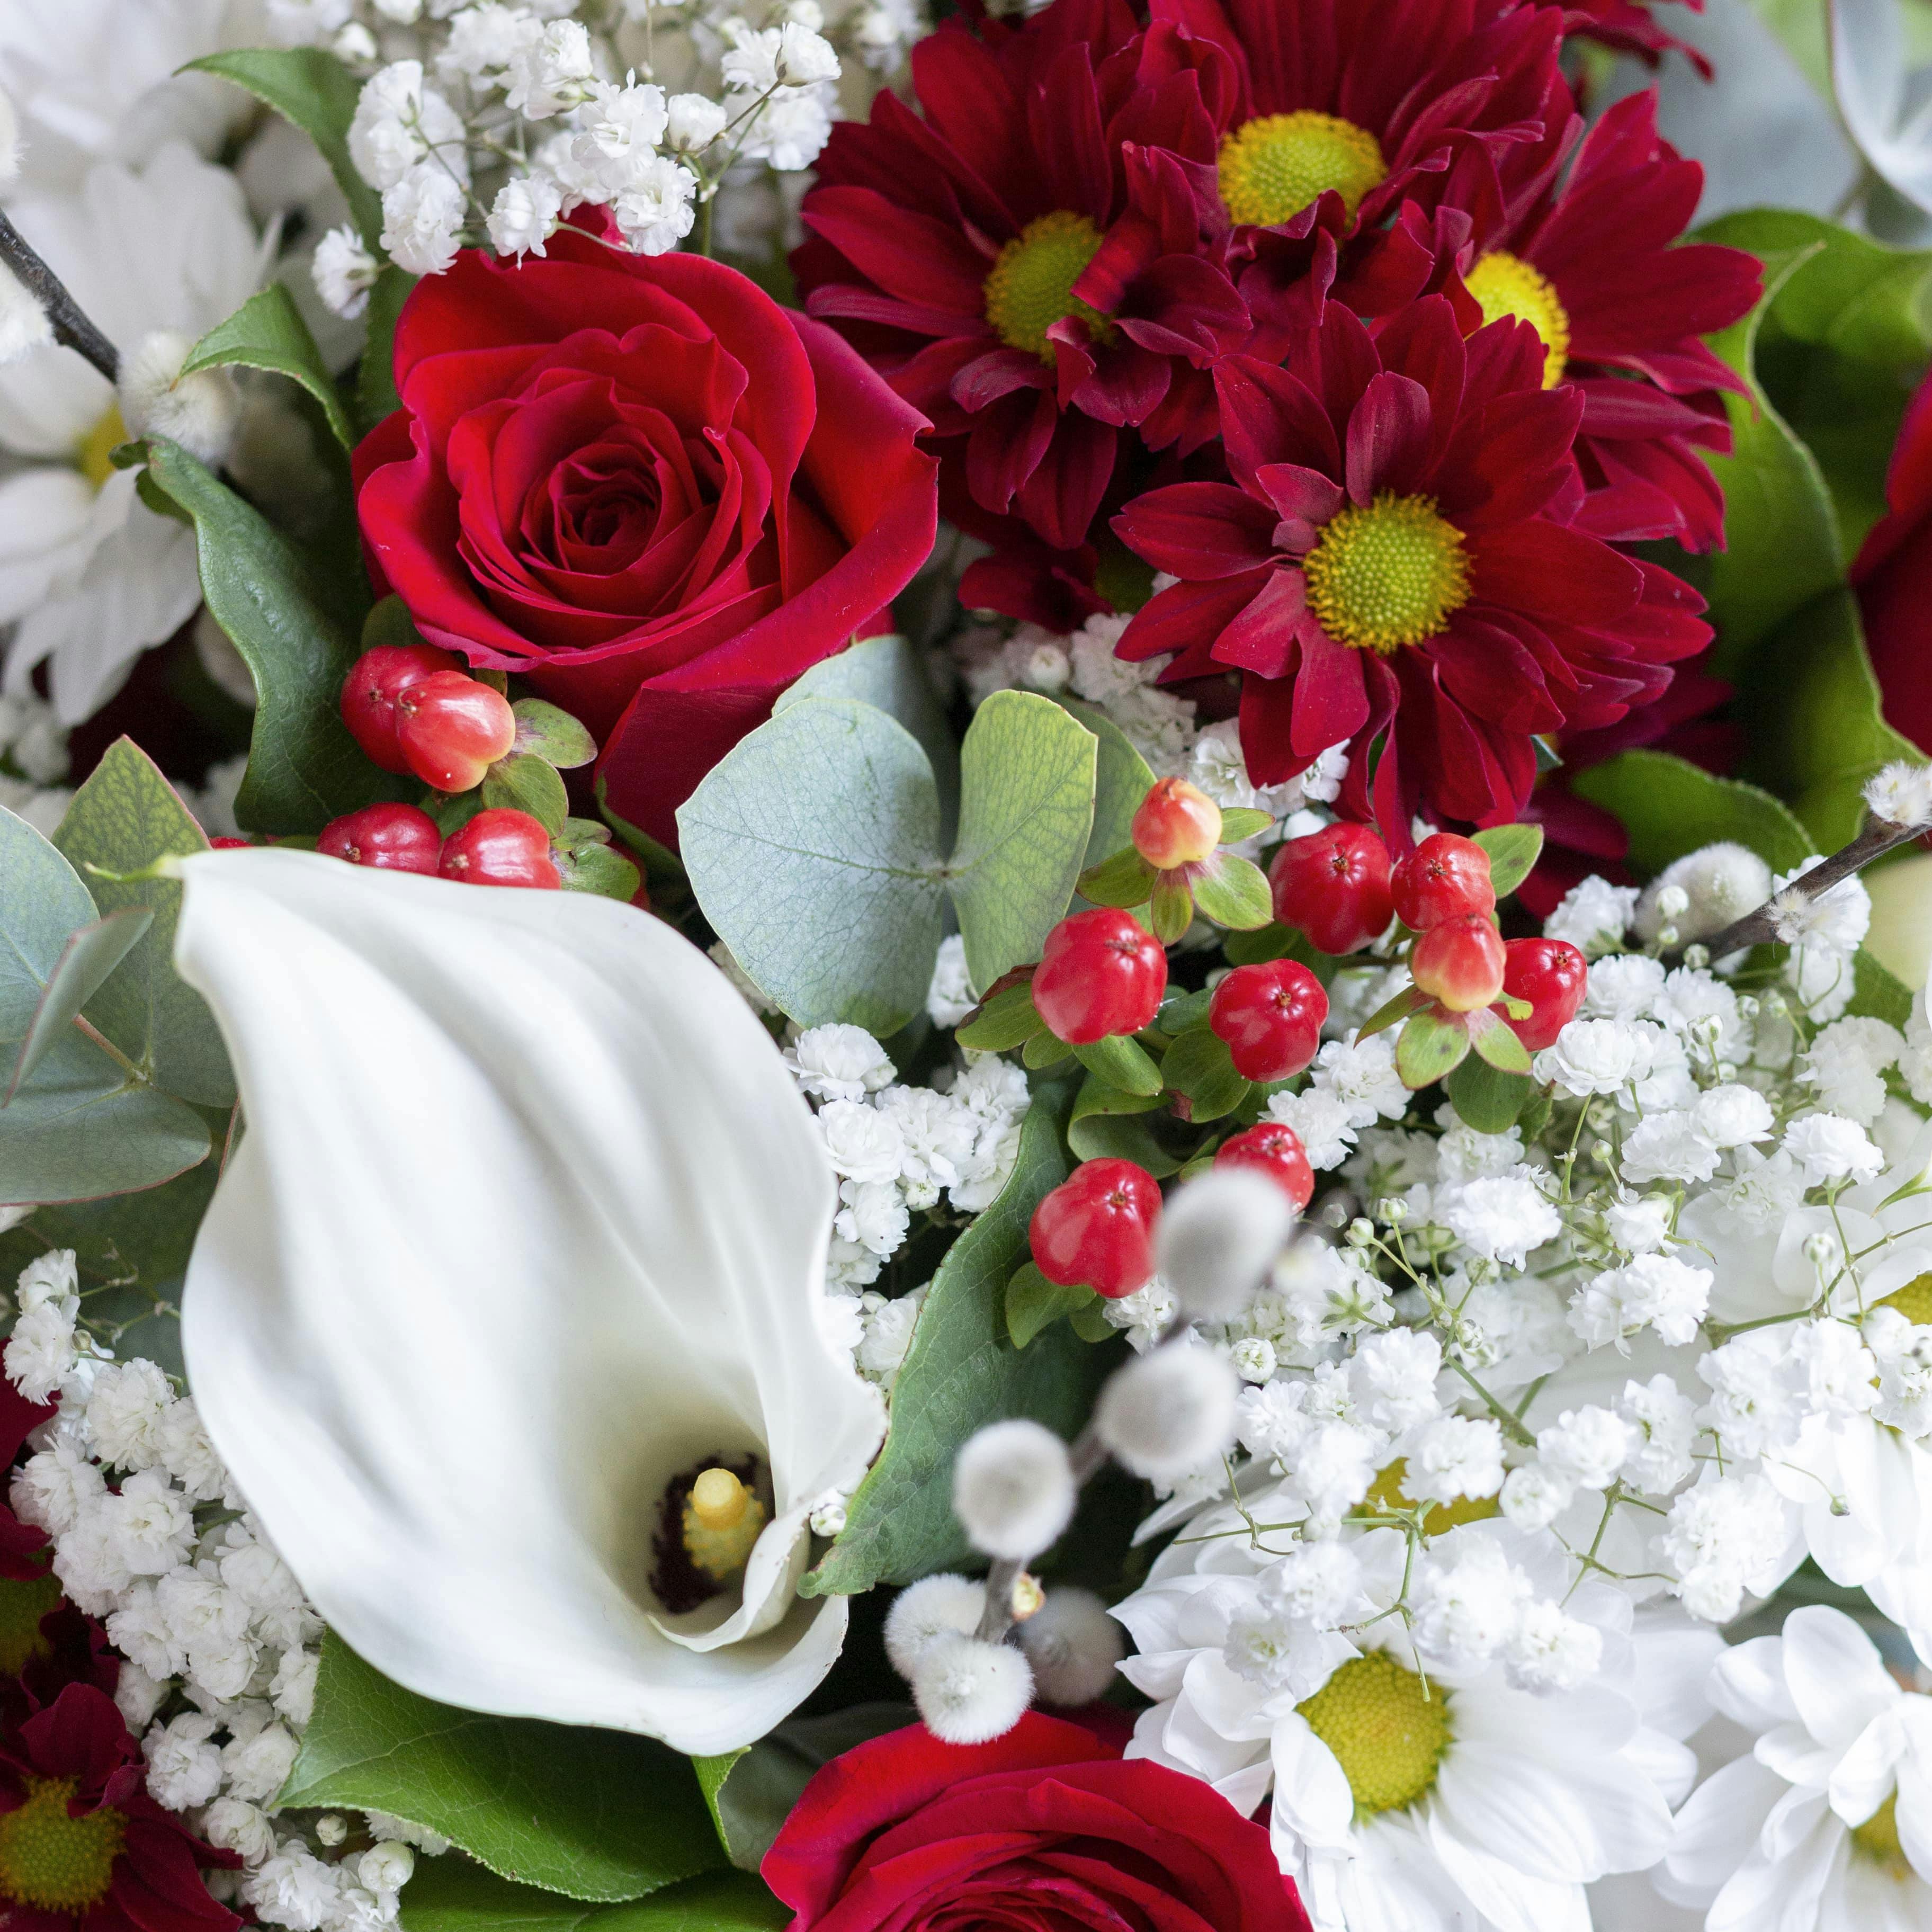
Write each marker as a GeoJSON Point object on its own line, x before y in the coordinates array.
{"type": "Point", "coordinates": [1046, 1829]}
{"type": "Point", "coordinates": [644, 487]}
{"type": "Point", "coordinates": [1893, 576]}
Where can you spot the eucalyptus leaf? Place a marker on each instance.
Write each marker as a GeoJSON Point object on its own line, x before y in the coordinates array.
{"type": "Point", "coordinates": [960, 1373]}
{"type": "Point", "coordinates": [1033, 1303]}
{"type": "Point", "coordinates": [1670, 808]}
{"type": "Point", "coordinates": [1122, 779]}
{"type": "Point", "coordinates": [91, 952]}
{"type": "Point", "coordinates": [1027, 787]}
{"type": "Point", "coordinates": [267, 332]}
{"type": "Point", "coordinates": [813, 848]}
{"type": "Point", "coordinates": [525, 781]}
{"type": "Point", "coordinates": [451, 1894]}
{"type": "Point", "coordinates": [42, 902]}
{"type": "Point", "coordinates": [1513, 851]}
{"type": "Point", "coordinates": [597, 1815]}
{"type": "Point", "coordinates": [124, 818]}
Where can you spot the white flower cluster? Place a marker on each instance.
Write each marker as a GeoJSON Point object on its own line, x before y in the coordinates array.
{"type": "Point", "coordinates": [1526, 1413]}
{"type": "Point", "coordinates": [220, 1647]}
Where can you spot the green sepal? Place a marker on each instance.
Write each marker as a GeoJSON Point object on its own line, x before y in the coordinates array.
{"type": "Point", "coordinates": [1429, 1046]}
{"type": "Point", "coordinates": [1496, 1040]}
{"type": "Point", "coordinates": [1517, 1009]}
{"type": "Point", "coordinates": [1045, 1049]}
{"type": "Point", "coordinates": [522, 782]}
{"type": "Point", "coordinates": [1199, 1067]}
{"type": "Point", "coordinates": [1242, 823]}
{"type": "Point", "coordinates": [1033, 1302]}
{"type": "Point", "coordinates": [1119, 1136]}
{"type": "Point", "coordinates": [549, 733]}
{"type": "Point", "coordinates": [1090, 1324]}
{"type": "Point", "coordinates": [1513, 850]}
{"type": "Point", "coordinates": [1007, 1019]}
{"type": "Point", "coordinates": [1233, 893]}
{"type": "Point", "coordinates": [1121, 1062]}
{"type": "Point", "coordinates": [1486, 1098]}
{"type": "Point", "coordinates": [1385, 1015]}
{"type": "Point", "coordinates": [1170, 906]}
{"type": "Point", "coordinates": [600, 868]}
{"type": "Point", "coordinates": [1125, 880]}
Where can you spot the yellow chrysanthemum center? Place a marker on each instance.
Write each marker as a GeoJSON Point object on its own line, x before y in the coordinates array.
{"type": "Point", "coordinates": [1504, 285]}
{"type": "Point", "coordinates": [1031, 287]}
{"type": "Point", "coordinates": [109, 434]}
{"type": "Point", "coordinates": [722, 1518]}
{"type": "Point", "coordinates": [23, 1602]}
{"type": "Point", "coordinates": [1387, 574]}
{"type": "Point", "coordinates": [53, 1861]}
{"type": "Point", "coordinates": [1275, 165]}
{"type": "Point", "coordinates": [1387, 1492]}
{"type": "Point", "coordinates": [1877, 1839]}
{"type": "Point", "coordinates": [1388, 1730]}
{"type": "Point", "coordinates": [1913, 1301]}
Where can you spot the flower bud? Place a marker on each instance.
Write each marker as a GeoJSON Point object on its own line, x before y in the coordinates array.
{"type": "Point", "coordinates": [969, 1691]}
{"type": "Point", "coordinates": [1177, 824]}
{"type": "Point", "coordinates": [930, 1609]}
{"type": "Point", "coordinates": [1013, 1489]}
{"type": "Point", "coordinates": [1168, 1412]}
{"type": "Point", "coordinates": [1219, 1235]}
{"type": "Point", "coordinates": [1073, 1646]}
{"type": "Point", "coordinates": [386, 1867]}
{"type": "Point", "coordinates": [201, 412]}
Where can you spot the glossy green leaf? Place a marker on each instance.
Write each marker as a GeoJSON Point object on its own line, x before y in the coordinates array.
{"type": "Point", "coordinates": [1113, 1136]}
{"type": "Point", "coordinates": [594, 1814]}
{"type": "Point", "coordinates": [1513, 850]}
{"type": "Point", "coordinates": [1033, 1303]}
{"type": "Point", "coordinates": [1487, 1100]}
{"type": "Point", "coordinates": [450, 1894]}
{"type": "Point", "coordinates": [267, 332]}
{"type": "Point", "coordinates": [1044, 1050]}
{"type": "Point", "coordinates": [124, 818]}
{"type": "Point", "coordinates": [298, 631]}
{"type": "Point", "coordinates": [523, 782]}
{"type": "Point", "coordinates": [1814, 731]}
{"type": "Point", "coordinates": [376, 397]}
{"type": "Point", "coordinates": [813, 847]}
{"type": "Point", "coordinates": [91, 952]}
{"type": "Point", "coordinates": [1026, 808]}
{"type": "Point", "coordinates": [1670, 807]}
{"type": "Point", "coordinates": [1399, 1007]}
{"type": "Point", "coordinates": [549, 733]}
{"type": "Point", "coordinates": [1181, 1011]}
{"type": "Point", "coordinates": [1120, 1061]}
{"type": "Point", "coordinates": [311, 87]}
{"type": "Point", "coordinates": [1428, 1047]}
{"type": "Point", "coordinates": [1122, 779]}
{"type": "Point", "coordinates": [1007, 1020]}
{"type": "Point", "coordinates": [1233, 893]}
{"type": "Point", "coordinates": [1198, 1065]}
{"type": "Point", "coordinates": [960, 1373]}
{"type": "Point", "coordinates": [886, 672]}
{"type": "Point", "coordinates": [1879, 993]}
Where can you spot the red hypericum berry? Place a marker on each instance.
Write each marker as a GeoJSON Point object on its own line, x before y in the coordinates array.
{"type": "Point", "coordinates": [1177, 824]}
{"type": "Point", "coordinates": [393, 837]}
{"type": "Point", "coordinates": [1270, 1015]}
{"type": "Point", "coordinates": [1334, 885]}
{"type": "Point", "coordinates": [1096, 1229]}
{"type": "Point", "coordinates": [1443, 878]}
{"type": "Point", "coordinates": [1099, 973]}
{"type": "Point", "coordinates": [500, 848]}
{"type": "Point", "coordinates": [1460, 963]}
{"type": "Point", "coordinates": [453, 728]}
{"type": "Point", "coordinates": [1552, 976]}
{"type": "Point", "coordinates": [229, 844]}
{"type": "Point", "coordinates": [375, 681]}
{"type": "Point", "coordinates": [1276, 1150]}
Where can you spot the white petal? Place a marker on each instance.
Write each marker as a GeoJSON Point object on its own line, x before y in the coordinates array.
{"type": "Point", "coordinates": [527, 1218]}
{"type": "Point", "coordinates": [1868, 77]}
{"type": "Point", "coordinates": [1834, 1674]}
{"type": "Point", "coordinates": [1863, 1778]}
{"type": "Point", "coordinates": [1717, 1828]}
{"type": "Point", "coordinates": [1507, 1897]}
{"type": "Point", "coordinates": [1746, 1685]}
{"type": "Point", "coordinates": [1313, 1801]}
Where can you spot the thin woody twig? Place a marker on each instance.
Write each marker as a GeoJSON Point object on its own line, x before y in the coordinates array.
{"type": "Point", "coordinates": [72, 325]}
{"type": "Point", "coordinates": [1759, 927]}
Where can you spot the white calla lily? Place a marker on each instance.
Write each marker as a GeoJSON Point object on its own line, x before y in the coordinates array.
{"type": "Point", "coordinates": [1888, 112]}
{"type": "Point", "coordinates": [527, 1219]}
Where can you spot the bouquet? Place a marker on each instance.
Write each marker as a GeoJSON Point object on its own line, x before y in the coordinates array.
{"type": "Point", "coordinates": [965, 972]}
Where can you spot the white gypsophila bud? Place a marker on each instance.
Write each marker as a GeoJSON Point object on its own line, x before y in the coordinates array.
{"type": "Point", "coordinates": [1013, 1489]}
{"type": "Point", "coordinates": [1073, 1646]}
{"type": "Point", "coordinates": [1672, 902]}
{"type": "Point", "coordinates": [355, 46]}
{"type": "Point", "coordinates": [24, 326]}
{"type": "Point", "coordinates": [343, 271]}
{"type": "Point", "coordinates": [692, 122]}
{"type": "Point", "coordinates": [524, 214]}
{"type": "Point", "coordinates": [386, 1867]}
{"type": "Point", "coordinates": [400, 13]}
{"type": "Point", "coordinates": [332, 1828]}
{"type": "Point", "coordinates": [201, 412]}
{"type": "Point", "coordinates": [1219, 1236]}
{"type": "Point", "coordinates": [1168, 1412]}
{"type": "Point", "coordinates": [1901, 794]}
{"type": "Point", "coordinates": [970, 1692]}
{"type": "Point", "coordinates": [1254, 1358]}
{"type": "Point", "coordinates": [929, 1609]}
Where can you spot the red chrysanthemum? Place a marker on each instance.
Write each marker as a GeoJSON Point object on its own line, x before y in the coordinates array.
{"type": "Point", "coordinates": [1032, 264]}
{"type": "Point", "coordinates": [1595, 266]}
{"type": "Point", "coordinates": [83, 1848]}
{"type": "Point", "coordinates": [1388, 563]}
{"type": "Point", "coordinates": [1627, 26]}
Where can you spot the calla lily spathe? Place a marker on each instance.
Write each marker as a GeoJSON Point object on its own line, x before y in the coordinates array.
{"type": "Point", "coordinates": [527, 1218]}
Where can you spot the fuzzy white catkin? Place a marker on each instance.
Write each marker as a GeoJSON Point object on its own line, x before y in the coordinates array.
{"type": "Point", "coordinates": [1168, 1412]}
{"type": "Point", "coordinates": [1721, 883]}
{"type": "Point", "coordinates": [201, 412]}
{"type": "Point", "coordinates": [1013, 1489]}
{"type": "Point", "coordinates": [24, 326]}
{"type": "Point", "coordinates": [10, 142]}
{"type": "Point", "coordinates": [970, 1692]}
{"type": "Point", "coordinates": [1219, 1235]}
{"type": "Point", "coordinates": [1073, 1646]}
{"type": "Point", "coordinates": [933, 1607]}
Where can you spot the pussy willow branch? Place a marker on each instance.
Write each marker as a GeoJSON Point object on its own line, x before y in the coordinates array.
{"type": "Point", "coordinates": [72, 325]}
{"type": "Point", "coordinates": [1880, 837]}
